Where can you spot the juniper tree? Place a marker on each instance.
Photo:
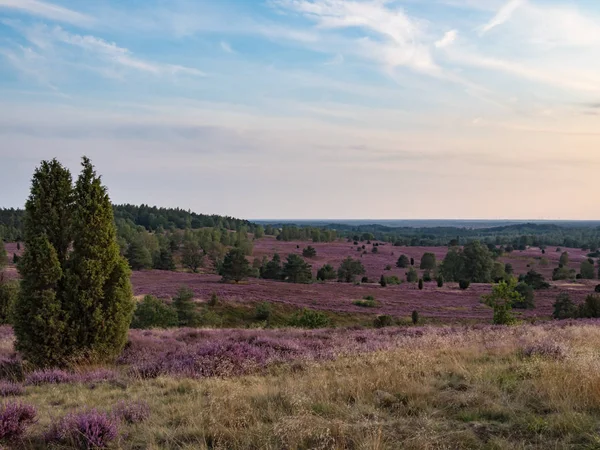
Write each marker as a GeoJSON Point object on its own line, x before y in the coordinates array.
{"type": "Point", "coordinates": [40, 316]}
{"type": "Point", "coordinates": [99, 298]}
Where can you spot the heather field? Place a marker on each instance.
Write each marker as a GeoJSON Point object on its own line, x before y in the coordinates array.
{"type": "Point", "coordinates": [528, 386]}
{"type": "Point", "coordinates": [448, 304]}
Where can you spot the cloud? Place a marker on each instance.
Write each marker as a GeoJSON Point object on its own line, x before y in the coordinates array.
{"type": "Point", "coordinates": [226, 47]}
{"type": "Point", "coordinates": [504, 14]}
{"type": "Point", "coordinates": [391, 37]}
{"type": "Point", "coordinates": [48, 11]}
{"type": "Point", "coordinates": [54, 45]}
{"type": "Point", "coordinates": [448, 39]}
{"type": "Point", "coordinates": [336, 60]}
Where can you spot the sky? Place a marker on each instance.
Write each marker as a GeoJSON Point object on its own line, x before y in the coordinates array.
{"type": "Point", "coordinates": [305, 109]}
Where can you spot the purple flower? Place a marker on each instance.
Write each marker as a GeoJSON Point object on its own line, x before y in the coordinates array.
{"type": "Point", "coordinates": [89, 429]}
{"type": "Point", "coordinates": [8, 389]}
{"type": "Point", "coordinates": [132, 412]}
{"type": "Point", "coordinates": [14, 419]}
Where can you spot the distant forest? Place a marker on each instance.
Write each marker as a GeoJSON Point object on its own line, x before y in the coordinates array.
{"type": "Point", "coordinates": [172, 223]}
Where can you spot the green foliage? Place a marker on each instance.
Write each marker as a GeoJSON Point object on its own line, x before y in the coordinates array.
{"type": "Point", "coordinates": [350, 269]}
{"type": "Point", "coordinates": [412, 276]}
{"type": "Point", "coordinates": [501, 300]}
{"type": "Point", "coordinates": [421, 284]}
{"type": "Point", "coordinates": [528, 297]}
{"type": "Point", "coordinates": [99, 296]}
{"type": "Point", "coordinates": [272, 270]}
{"type": "Point", "coordinates": [309, 252]}
{"type": "Point", "coordinates": [563, 273]}
{"type": "Point", "coordinates": [296, 270]}
{"type": "Point", "coordinates": [263, 311]}
{"type": "Point", "coordinates": [393, 280]}
{"type": "Point", "coordinates": [535, 280]}
{"type": "Point", "coordinates": [415, 317]}
{"type": "Point", "coordinates": [138, 255]}
{"type": "Point", "coordinates": [183, 302]}
{"type": "Point", "coordinates": [587, 270]}
{"type": "Point", "coordinates": [9, 292]}
{"type": "Point", "coordinates": [383, 321]}
{"type": "Point", "coordinates": [164, 260]}
{"type": "Point", "coordinates": [327, 272]}
{"type": "Point", "coordinates": [366, 302]}
{"type": "Point", "coordinates": [440, 281]}
{"type": "Point", "coordinates": [235, 266]}
{"type": "Point", "coordinates": [428, 262]}
{"type": "Point", "coordinates": [474, 262]}
{"type": "Point", "coordinates": [508, 269]}
{"type": "Point", "coordinates": [564, 308]}
{"type": "Point", "coordinates": [192, 256]}
{"type": "Point", "coordinates": [3, 256]}
{"type": "Point", "coordinates": [383, 281]}
{"type": "Point", "coordinates": [309, 318]}
{"type": "Point", "coordinates": [464, 284]}
{"type": "Point", "coordinates": [590, 308]}
{"type": "Point", "coordinates": [152, 312]}
{"type": "Point", "coordinates": [213, 300]}
{"type": "Point", "coordinates": [498, 272]}
{"type": "Point", "coordinates": [452, 267]}
{"type": "Point", "coordinates": [403, 262]}
{"type": "Point", "coordinates": [427, 277]}
{"type": "Point", "coordinates": [259, 232]}
{"type": "Point", "coordinates": [564, 259]}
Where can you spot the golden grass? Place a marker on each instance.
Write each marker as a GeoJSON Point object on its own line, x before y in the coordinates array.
{"type": "Point", "coordinates": [470, 389]}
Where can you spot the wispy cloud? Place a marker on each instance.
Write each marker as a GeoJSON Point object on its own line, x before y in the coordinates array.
{"type": "Point", "coordinates": [502, 15]}
{"type": "Point", "coordinates": [48, 11]}
{"type": "Point", "coordinates": [226, 47]}
{"type": "Point", "coordinates": [448, 39]}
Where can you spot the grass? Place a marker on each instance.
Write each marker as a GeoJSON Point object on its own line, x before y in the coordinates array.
{"type": "Point", "coordinates": [470, 389]}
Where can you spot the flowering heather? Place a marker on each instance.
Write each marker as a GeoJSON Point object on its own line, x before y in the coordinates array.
{"type": "Point", "coordinates": [9, 389]}
{"type": "Point", "coordinates": [57, 376]}
{"type": "Point", "coordinates": [84, 430]}
{"type": "Point", "coordinates": [131, 412]}
{"type": "Point", "coordinates": [14, 419]}
{"type": "Point", "coordinates": [545, 349]}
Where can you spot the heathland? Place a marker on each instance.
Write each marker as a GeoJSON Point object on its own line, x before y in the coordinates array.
{"type": "Point", "coordinates": [223, 333]}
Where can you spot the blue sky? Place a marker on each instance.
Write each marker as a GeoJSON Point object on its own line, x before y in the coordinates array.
{"type": "Point", "coordinates": [310, 108]}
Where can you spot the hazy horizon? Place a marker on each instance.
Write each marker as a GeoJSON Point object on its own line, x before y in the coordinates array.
{"type": "Point", "coordinates": [310, 108]}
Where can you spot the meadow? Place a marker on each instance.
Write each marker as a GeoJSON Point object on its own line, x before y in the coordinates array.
{"type": "Point", "coordinates": [528, 386]}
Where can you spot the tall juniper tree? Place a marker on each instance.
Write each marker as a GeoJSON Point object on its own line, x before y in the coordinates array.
{"type": "Point", "coordinates": [99, 293]}
{"type": "Point", "coordinates": [40, 318]}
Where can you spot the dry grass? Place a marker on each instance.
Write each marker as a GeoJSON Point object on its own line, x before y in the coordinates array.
{"type": "Point", "coordinates": [469, 389]}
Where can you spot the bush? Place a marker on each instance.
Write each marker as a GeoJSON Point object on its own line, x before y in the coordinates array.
{"type": "Point", "coordinates": [9, 292]}
{"type": "Point", "coordinates": [383, 321]}
{"type": "Point", "coordinates": [415, 317]}
{"type": "Point", "coordinates": [528, 297]}
{"type": "Point", "coordinates": [403, 262]}
{"type": "Point", "coordinates": [590, 308]}
{"type": "Point", "coordinates": [309, 318]}
{"type": "Point", "coordinates": [364, 280]}
{"type": "Point", "coordinates": [587, 270]}
{"type": "Point", "coordinates": [440, 281]}
{"type": "Point", "coordinates": [296, 270]}
{"type": "Point", "coordinates": [412, 276]}
{"type": "Point", "coordinates": [563, 273]}
{"type": "Point", "coordinates": [464, 284]}
{"type": "Point", "coordinates": [388, 267]}
{"type": "Point", "coordinates": [393, 280]}
{"type": "Point", "coordinates": [15, 417]}
{"type": "Point", "coordinates": [383, 281]}
{"type": "Point", "coordinates": [535, 280]}
{"type": "Point", "coordinates": [327, 272]}
{"type": "Point", "coordinates": [564, 308]}
{"type": "Point", "coordinates": [263, 311]}
{"type": "Point", "coordinates": [375, 250]}
{"type": "Point", "coordinates": [183, 302]}
{"type": "Point", "coordinates": [309, 252]}
{"type": "Point", "coordinates": [421, 284]}
{"type": "Point", "coordinates": [501, 300]}
{"type": "Point", "coordinates": [349, 269]}
{"type": "Point", "coordinates": [428, 261]}
{"type": "Point", "coordinates": [154, 313]}
{"type": "Point", "coordinates": [84, 430]}
{"type": "Point", "coordinates": [427, 277]}
{"type": "Point", "coordinates": [366, 302]}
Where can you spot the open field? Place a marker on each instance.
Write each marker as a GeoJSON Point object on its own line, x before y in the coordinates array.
{"type": "Point", "coordinates": [415, 388]}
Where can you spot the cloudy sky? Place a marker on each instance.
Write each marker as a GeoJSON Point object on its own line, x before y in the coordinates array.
{"type": "Point", "coordinates": [310, 108]}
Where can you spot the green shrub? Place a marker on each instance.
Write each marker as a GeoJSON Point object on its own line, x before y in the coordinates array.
{"type": "Point", "coordinates": [535, 280]}
{"type": "Point", "coordinates": [309, 252]}
{"type": "Point", "coordinates": [152, 312]}
{"type": "Point", "coordinates": [412, 276]}
{"type": "Point", "coordinates": [383, 281]}
{"type": "Point", "coordinates": [327, 272]}
{"type": "Point", "coordinates": [590, 308]}
{"type": "Point", "coordinates": [214, 299]}
{"type": "Point", "coordinates": [393, 280]}
{"type": "Point", "coordinates": [415, 317]}
{"type": "Point", "coordinates": [367, 302]}
{"type": "Point", "coordinates": [421, 284]}
{"type": "Point", "coordinates": [440, 281]}
{"type": "Point", "coordinates": [309, 318]}
{"type": "Point", "coordinates": [563, 273]}
{"type": "Point", "coordinates": [564, 308]}
{"type": "Point", "coordinates": [528, 297]}
{"type": "Point", "coordinates": [403, 262]}
{"type": "Point", "coordinates": [383, 321]}
{"type": "Point", "coordinates": [427, 277]}
{"type": "Point", "coordinates": [9, 292]}
{"type": "Point", "coordinates": [464, 284]}
{"type": "Point", "coordinates": [184, 304]}
{"type": "Point", "coordinates": [263, 311]}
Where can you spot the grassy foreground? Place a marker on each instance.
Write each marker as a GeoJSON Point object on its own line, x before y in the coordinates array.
{"type": "Point", "coordinates": [504, 388]}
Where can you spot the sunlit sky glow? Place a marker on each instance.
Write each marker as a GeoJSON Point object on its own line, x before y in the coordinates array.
{"type": "Point", "coordinates": [310, 108]}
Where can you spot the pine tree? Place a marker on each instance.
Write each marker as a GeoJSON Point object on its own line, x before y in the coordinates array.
{"type": "Point", "coordinates": [235, 266]}
{"type": "Point", "coordinates": [40, 319]}
{"type": "Point", "coordinates": [3, 256]}
{"type": "Point", "coordinates": [99, 298]}
{"type": "Point", "coordinates": [138, 255]}
{"type": "Point", "coordinates": [164, 260]}
{"type": "Point", "coordinates": [186, 308]}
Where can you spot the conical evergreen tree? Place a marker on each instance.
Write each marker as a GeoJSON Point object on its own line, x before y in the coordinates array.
{"type": "Point", "coordinates": [100, 298]}
{"type": "Point", "coordinates": [40, 320]}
